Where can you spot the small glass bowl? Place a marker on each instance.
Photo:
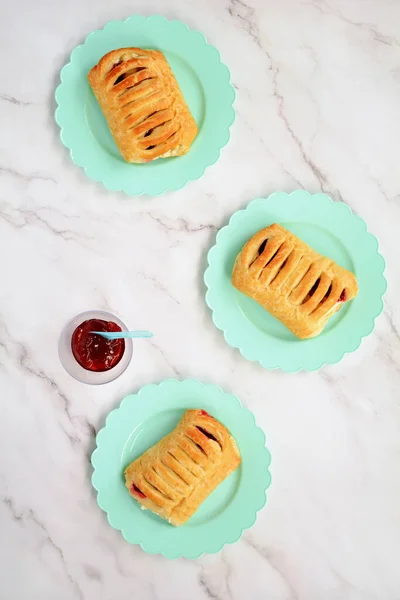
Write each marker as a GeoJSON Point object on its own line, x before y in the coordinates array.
{"type": "Point", "coordinates": [70, 363]}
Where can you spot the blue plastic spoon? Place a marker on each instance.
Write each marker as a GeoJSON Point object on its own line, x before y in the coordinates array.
{"type": "Point", "coordinates": [116, 335]}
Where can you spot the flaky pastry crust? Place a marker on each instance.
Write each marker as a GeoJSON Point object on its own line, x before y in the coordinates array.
{"type": "Point", "coordinates": [177, 474]}
{"type": "Point", "coordinates": [143, 104]}
{"type": "Point", "coordinates": [293, 282]}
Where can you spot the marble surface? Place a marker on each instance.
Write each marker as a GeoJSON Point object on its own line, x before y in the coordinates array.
{"type": "Point", "coordinates": [318, 107]}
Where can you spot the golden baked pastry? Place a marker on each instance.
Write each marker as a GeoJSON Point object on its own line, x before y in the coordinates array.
{"type": "Point", "coordinates": [143, 104]}
{"type": "Point", "coordinates": [293, 282]}
{"type": "Point", "coordinates": [176, 475]}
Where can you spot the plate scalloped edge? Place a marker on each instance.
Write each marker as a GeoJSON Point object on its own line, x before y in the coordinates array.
{"type": "Point", "coordinates": [77, 158]}
{"type": "Point", "coordinates": [375, 256]}
{"type": "Point", "coordinates": [264, 461]}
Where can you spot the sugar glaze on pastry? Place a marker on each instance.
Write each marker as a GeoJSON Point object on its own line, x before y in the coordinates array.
{"type": "Point", "coordinates": [293, 282]}
{"type": "Point", "coordinates": [177, 474]}
{"type": "Point", "coordinates": [143, 104]}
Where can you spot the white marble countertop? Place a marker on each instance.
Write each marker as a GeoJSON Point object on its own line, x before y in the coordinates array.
{"type": "Point", "coordinates": [318, 107]}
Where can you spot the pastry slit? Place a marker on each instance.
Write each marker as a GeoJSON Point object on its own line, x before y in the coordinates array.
{"type": "Point", "coordinates": [262, 247]}
{"type": "Point", "coordinates": [166, 485]}
{"type": "Point", "coordinates": [182, 466]}
{"type": "Point", "coordinates": [317, 294]}
{"type": "Point", "coordinates": [128, 81]}
{"type": "Point", "coordinates": [142, 92]}
{"type": "Point", "coordinates": [311, 292]}
{"type": "Point", "coordinates": [153, 119]}
{"type": "Point", "coordinates": [297, 274]}
{"type": "Point", "coordinates": [137, 107]}
{"type": "Point", "coordinates": [163, 148]}
{"type": "Point", "coordinates": [187, 454]}
{"type": "Point", "coordinates": [152, 485]}
{"type": "Point", "coordinates": [279, 271]}
{"type": "Point", "coordinates": [164, 142]}
{"type": "Point", "coordinates": [158, 126]}
{"type": "Point", "coordinates": [158, 119]}
{"type": "Point", "coordinates": [295, 292]}
{"type": "Point", "coordinates": [197, 445]}
{"type": "Point", "coordinates": [187, 467]}
{"type": "Point", "coordinates": [259, 252]}
{"type": "Point", "coordinates": [139, 92]}
{"type": "Point", "coordinates": [209, 435]}
{"type": "Point", "coordinates": [269, 260]}
{"type": "Point", "coordinates": [158, 132]}
{"type": "Point", "coordinates": [288, 268]}
{"type": "Point", "coordinates": [152, 96]}
{"type": "Point", "coordinates": [174, 473]}
{"type": "Point", "coordinates": [328, 293]}
{"type": "Point", "coordinates": [158, 143]}
{"type": "Point", "coordinates": [191, 458]}
{"type": "Point", "coordinates": [127, 73]}
{"type": "Point", "coordinates": [131, 87]}
{"type": "Point", "coordinates": [135, 490]}
{"type": "Point", "coordinates": [274, 265]}
{"type": "Point", "coordinates": [272, 257]}
{"type": "Point", "coordinates": [329, 301]}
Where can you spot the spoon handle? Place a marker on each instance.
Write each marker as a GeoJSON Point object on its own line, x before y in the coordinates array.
{"type": "Point", "coordinates": [123, 334]}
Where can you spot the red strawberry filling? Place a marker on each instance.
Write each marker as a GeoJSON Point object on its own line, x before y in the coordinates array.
{"type": "Point", "coordinates": [204, 413]}
{"type": "Point", "coordinates": [343, 296]}
{"type": "Point", "coordinates": [207, 433]}
{"type": "Point", "coordinates": [136, 492]}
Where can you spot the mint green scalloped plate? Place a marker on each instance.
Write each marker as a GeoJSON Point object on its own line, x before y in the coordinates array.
{"type": "Point", "coordinates": [204, 81]}
{"type": "Point", "coordinates": [331, 229]}
{"type": "Point", "coordinates": [144, 418]}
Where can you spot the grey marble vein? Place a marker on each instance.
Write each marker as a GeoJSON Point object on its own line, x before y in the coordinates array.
{"type": "Point", "coordinates": [205, 586]}
{"type": "Point", "coordinates": [245, 15]}
{"type": "Point", "coordinates": [316, 170]}
{"type": "Point", "coordinates": [154, 281]}
{"type": "Point", "coordinates": [326, 8]}
{"type": "Point", "coordinates": [26, 217]}
{"type": "Point", "coordinates": [110, 550]}
{"type": "Point", "coordinates": [15, 101]}
{"type": "Point", "coordinates": [180, 224]}
{"type": "Point", "coordinates": [26, 362]}
{"type": "Point", "coordinates": [274, 562]}
{"type": "Point", "coordinates": [348, 589]}
{"type": "Point", "coordinates": [92, 573]}
{"type": "Point", "coordinates": [334, 385]}
{"type": "Point", "coordinates": [228, 574]}
{"type": "Point", "coordinates": [261, 140]}
{"type": "Point", "coordinates": [27, 177]}
{"type": "Point", "coordinates": [163, 355]}
{"type": "Point", "coordinates": [393, 328]}
{"type": "Point", "coordinates": [23, 518]}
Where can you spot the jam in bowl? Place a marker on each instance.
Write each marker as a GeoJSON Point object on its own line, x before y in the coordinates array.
{"type": "Point", "coordinates": [94, 352]}
{"type": "Point", "coordinates": [89, 357]}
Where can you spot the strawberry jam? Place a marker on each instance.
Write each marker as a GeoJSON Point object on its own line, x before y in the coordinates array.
{"type": "Point", "coordinates": [136, 492]}
{"type": "Point", "coordinates": [94, 352]}
{"type": "Point", "coordinates": [204, 413]}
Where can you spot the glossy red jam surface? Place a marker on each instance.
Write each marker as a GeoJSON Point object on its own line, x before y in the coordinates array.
{"type": "Point", "coordinates": [93, 352]}
{"type": "Point", "coordinates": [343, 296]}
{"type": "Point", "coordinates": [136, 492]}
